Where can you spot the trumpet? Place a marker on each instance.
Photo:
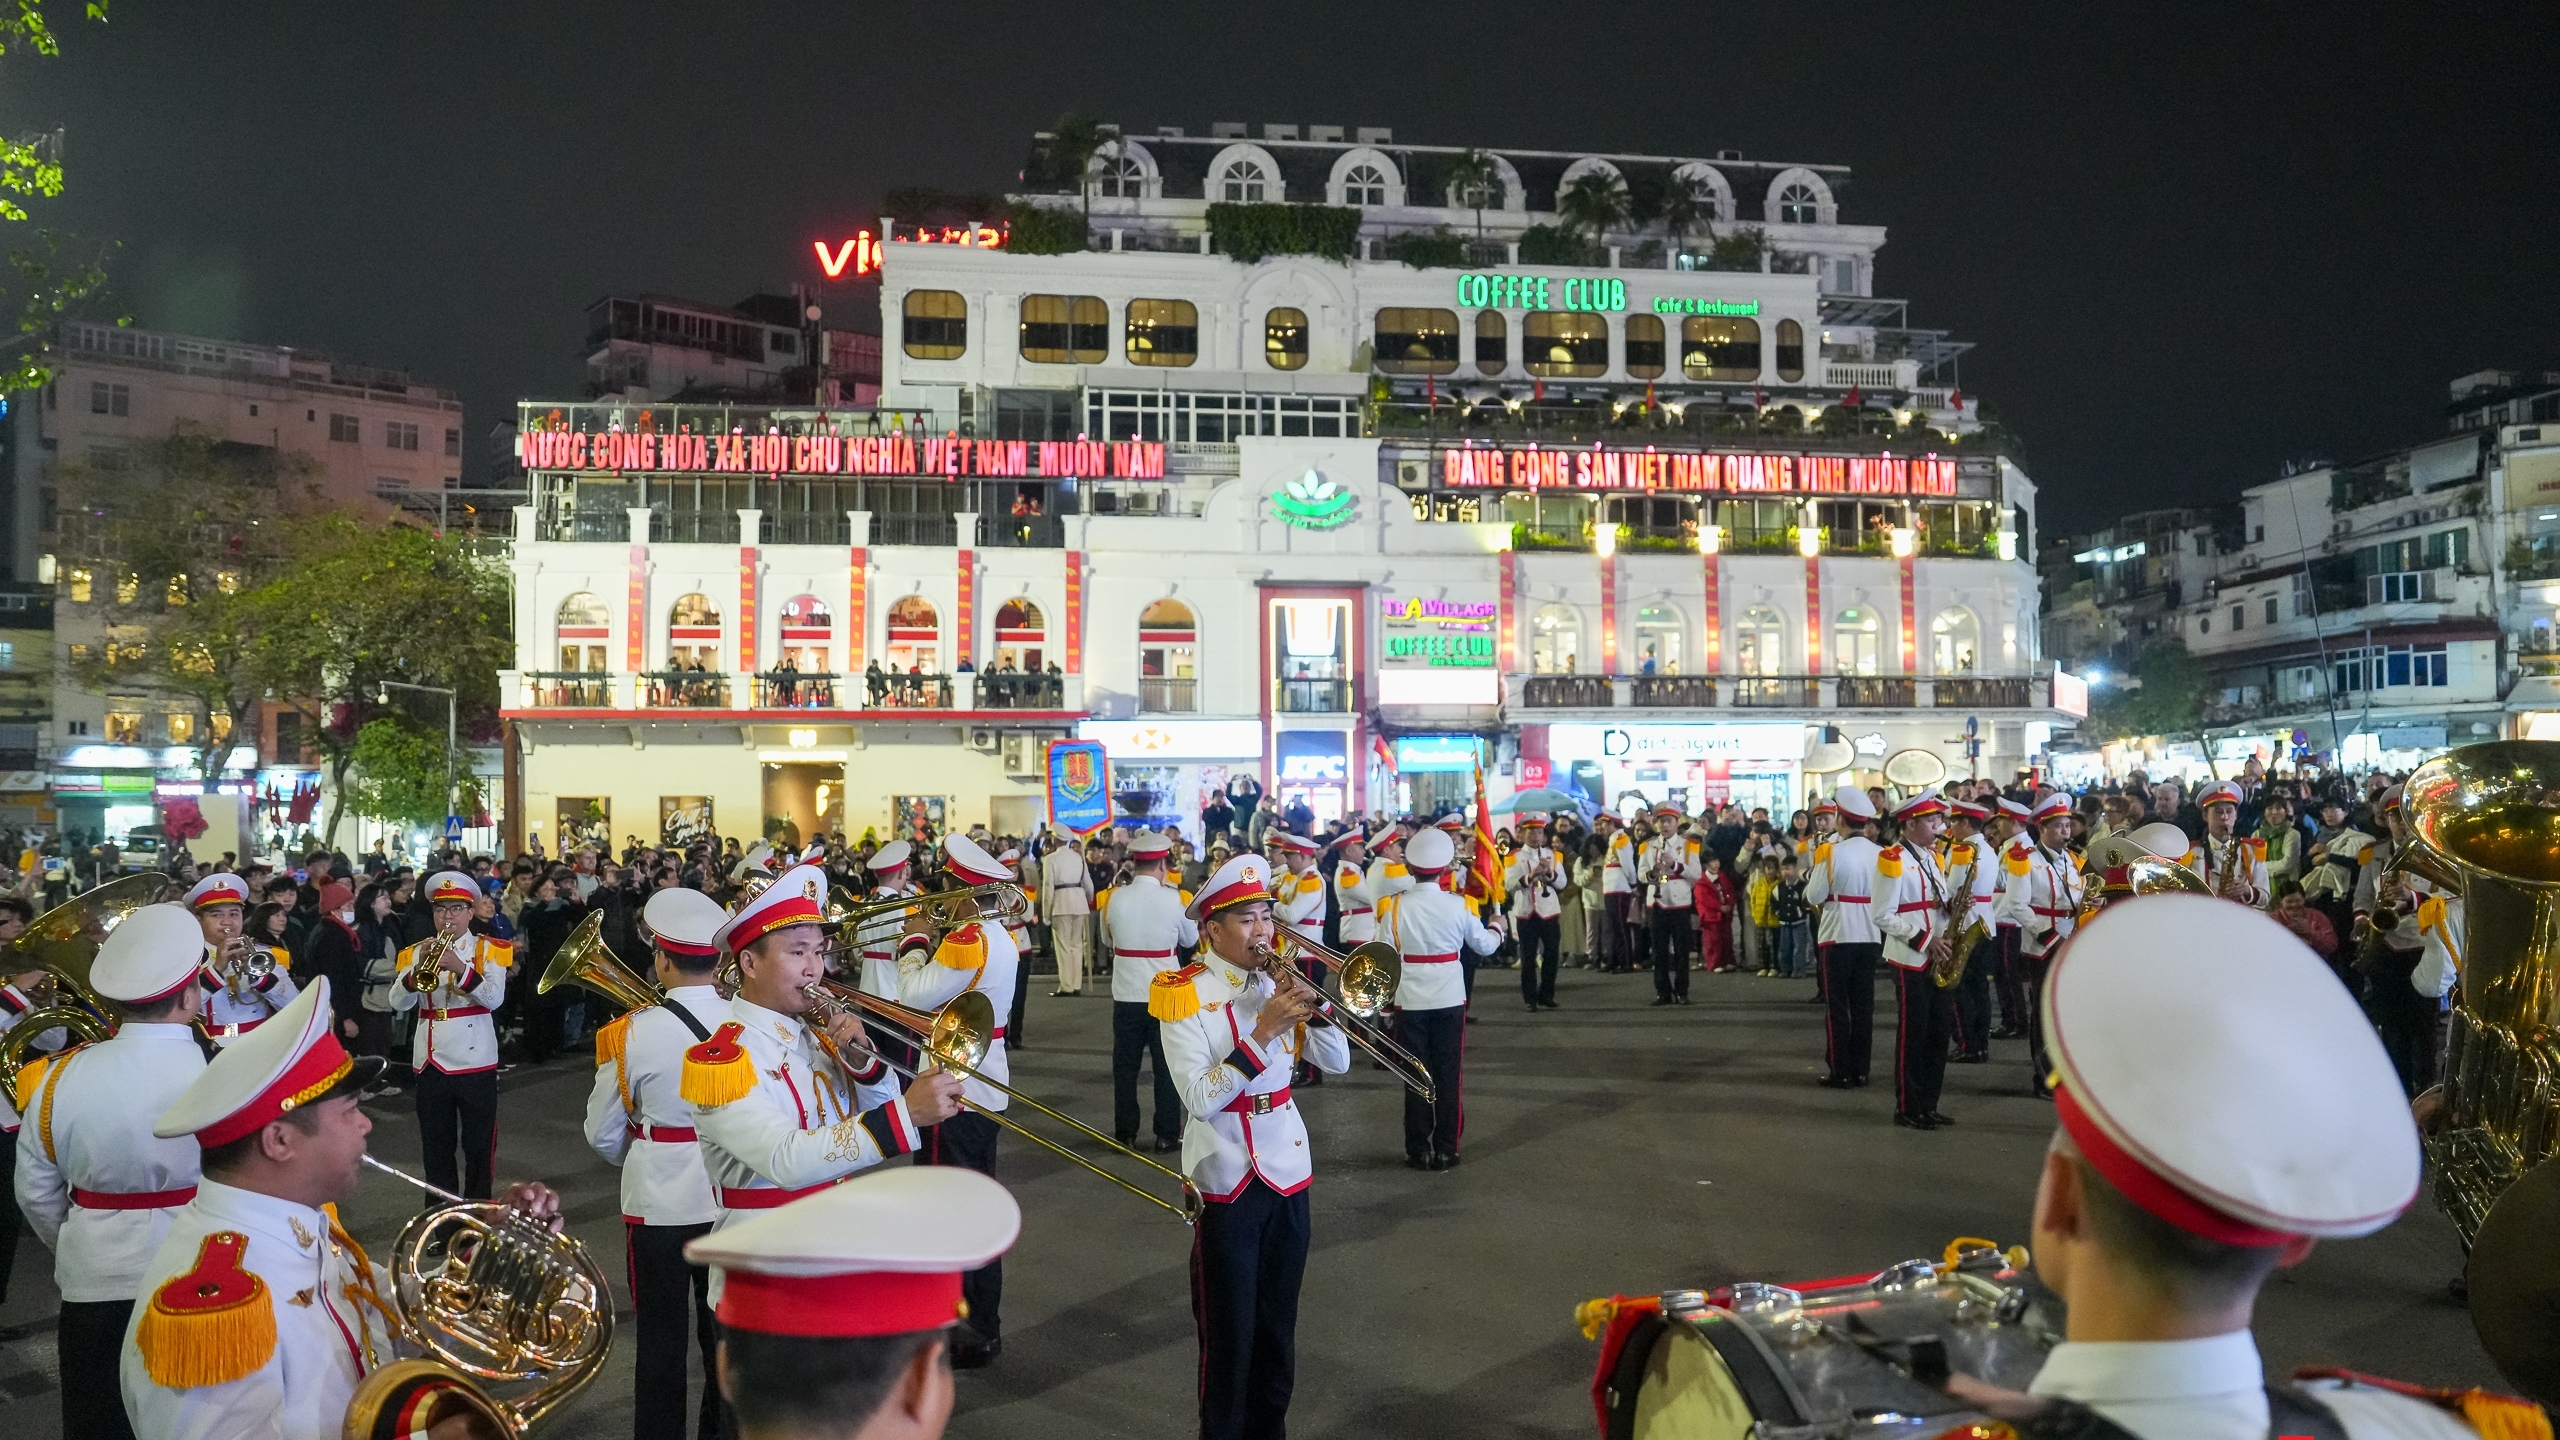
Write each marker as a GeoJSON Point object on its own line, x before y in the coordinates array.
{"type": "Point", "coordinates": [241, 963]}
{"type": "Point", "coordinates": [943, 911]}
{"type": "Point", "coordinates": [426, 972]}
{"type": "Point", "coordinates": [1365, 980]}
{"type": "Point", "coordinates": [489, 1293]}
{"type": "Point", "coordinates": [957, 1037]}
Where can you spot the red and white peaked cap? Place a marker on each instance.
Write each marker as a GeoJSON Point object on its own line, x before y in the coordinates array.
{"type": "Point", "coordinates": [683, 921]}
{"type": "Point", "coordinates": [798, 898]}
{"type": "Point", "coordinates": [969, 860]}
{"type": "Point", "coordinates": [2220, 1085]}
{"type": "Point", "coordinates": [149, 956]}
{"type": "Point", "coordinates": [219, 888]}
{"type": "Point", "coordinates": [1240, 881]}
{"type": "Point", "coordinates": [284, 1064]}
{"type": "Point", "coordinates": [881, 1254]}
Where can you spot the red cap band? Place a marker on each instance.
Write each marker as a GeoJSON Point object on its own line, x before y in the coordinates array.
{"type": "Point", "coordinates": [684, 947]}
{"type": "Point", "coordinates": [877, 1302]}
{"type": "Point", "coordinates": [794, 910]}
{"type": "Point", "coordinates": [2146, 1188]}
{"type": "Point", "coordinates": [303, 1081]}
{"type": "Point", "coordinates": [1236, 894]}
{"type": "Point", "coordinates": [449, 891]}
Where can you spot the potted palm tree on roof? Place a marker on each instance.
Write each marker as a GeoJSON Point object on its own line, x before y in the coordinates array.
{"type": "Point", "coordinates": [1594, 201]}
{"type": "Point", "coordinates": [1475, 179]}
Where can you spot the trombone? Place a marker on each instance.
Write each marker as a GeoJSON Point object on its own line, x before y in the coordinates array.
{"type": "Point", "coordinates": [1365, 980]}
{"type": "Point", "coordinates": [63, 942]}
{"type": "Point", "coordinates": [957, 1037]}
{"type": "Point", "coordinates": [943, 910]}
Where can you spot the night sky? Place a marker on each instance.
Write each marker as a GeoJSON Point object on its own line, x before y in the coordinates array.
{"type": "Point", "coordinates": [2190, 246]}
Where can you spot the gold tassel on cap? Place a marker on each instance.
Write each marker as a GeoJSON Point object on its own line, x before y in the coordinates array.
{"type": "Point", "coordinates": [210, 1326]}
{"type": "Point", "coordinates": [717, 1071]}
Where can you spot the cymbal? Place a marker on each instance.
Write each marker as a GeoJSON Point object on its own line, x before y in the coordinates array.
{"type": "Point", "coordinates": [2514, 1275]}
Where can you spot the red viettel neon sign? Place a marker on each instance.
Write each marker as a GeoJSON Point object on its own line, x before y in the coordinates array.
{"type": "Point", "coordinates": [1490, 467]}
{"type": "Point", "coordinates": [897, 453]}
{"type": "Point", "coordinates": [860, 255]}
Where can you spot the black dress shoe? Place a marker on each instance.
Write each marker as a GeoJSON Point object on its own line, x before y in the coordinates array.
{"type": "Point", "coordinates": [1449, 1162]}
{"type": "Point", "coordinates": [1680, 999]}
{"type": "Point", "coordinates": [2007, 1032]}
{"type": "Point", "coordinates": [1940, 1117]}
{"type": "Point", "coordinates": [1126, 1142]}
{"type": "Point", "coordinates": [1661, 1000]}
{"type": "Point", "coordinates": [2040, 1093]}
{"type": "Point", "coordinates": [1546, 1004]}
{"type": "Point", "coordinates": [1437, 1162]}
{"type": "Point", "coordinates": [1416, 1162]}
{"type": "Point", "coordinates": [975, 1354]}
{"type": "Point", "coordinates": [1859, 1083]}
{"type": "Point", "coordinates": [1909, 1122]}
{"type": "Point", "coordinates": [1835, 1082]}
{"type": "Point", "coordinates": [1167, 1147]}
{"type": "Point", "coordinates": [1969, 1059]}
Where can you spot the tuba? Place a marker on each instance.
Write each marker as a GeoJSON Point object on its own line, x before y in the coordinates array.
{"type": "Point", "coordinates": [2128, 865]}
{"type": "Point", "coordinates": [488, 1293]}
{"type": "Point", "coordinates": [63, 942]}
{"type": "Point", "coordinates": [585, 959]}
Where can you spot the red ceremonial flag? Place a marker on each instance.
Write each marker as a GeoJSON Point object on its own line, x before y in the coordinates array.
{"type": "Point", "coordinates": [1537, 388]}
{"type": "Point", "coordinates": [1956, 400]}
{"type": "Point", "coordinates": [1386, 755]}
{"type": "Point", "coordinates": [1856, 398]}
{"type": "Point", "coordinates": [1488, 862]}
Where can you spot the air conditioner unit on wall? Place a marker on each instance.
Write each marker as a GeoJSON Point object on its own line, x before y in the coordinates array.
{"type": "Point", "coordinates": [1018, 755]}
{"type": "Point", "coordinates": [982, 737]}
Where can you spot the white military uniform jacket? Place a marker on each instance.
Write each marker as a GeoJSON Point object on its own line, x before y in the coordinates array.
{"type": "Point", "coordinates": [1909, 907]}
{"type": "Point", "coordinates": [637, 1120]}
{"type": "Point", "coordinates": [2439, 919]}
{"type": "Point", "coordinates": [88, 1141]}
{"type": "Point", "coordinates": [1671, 855]}
{"type": "Point", "coordinates": [927, 984]}
{"type": "Point", "coordinates": [1297, 901]}
{"type": "Point", "coordinates": [1618, 864]}
{"type": "Point", "coordinates": [328, 1335]}
{"type": "Point", "coordinates": [1428, 926]}
{"type": "Point", "coordinates": [2246, 858]}
{"type": "Point", "coordinates": [456, 1033]}
{"type": "Point", "coordinates": [2215, 1389]}
{"type": "Point", "coordinates": [2044, 897]}
{"type": "Point", "coordinates": [1538, 898]}
{"type": "Point", "coordinates": [228, 1019]}
{"type": "Point", "coordinates": [878, 944]}
{"type": "Point", "coordinates": [1387, 879]}
{"type": "Point", "coordinates": [14, 1003]}
{"type": "Point", "coordinates": [1218, 1069]}
{"type": "Point", "coordinates": [808, 1119]}
{"type": "Point", "coordinates": [1842, 884]}
{"type": "Point", "coordinates": [2009, 881]}
{"type": "Point", "coordinates": [1356, 913]}
{"type": "Point", "coordinates": [1148, 934]}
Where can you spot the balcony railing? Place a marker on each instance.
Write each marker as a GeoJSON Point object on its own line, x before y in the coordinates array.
{"type": "Point", "coordinates": [569, 690]}
{"type": "Point", "coordinates": [1163, 695]}
{"type": "Point", "coordinates": [1981, 692]}
{"type": "Point", "coordinates": [796, 690]}
{"type": "Point", "coordinates": [1878, 692]}
{"type": "Point", "coordinates": [1014, 690]}
{"type": "Point", "coordinates": [1315, 697]}
{"type": "Point", "coordinates": [1567, 692]}
{"type": "Point", "coordinates": [894, 690]}
{"type": "Point", "coordinates": [1690, 692]}
{"type": "Point", "coordinates": [684, 690]}
{"type": "Point", "coordinates": [1777, 692]}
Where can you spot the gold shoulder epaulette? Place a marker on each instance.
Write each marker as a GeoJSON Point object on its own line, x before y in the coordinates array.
{"type": "Point", "coordinates": [965, 948]}
{"type": "Point", "coordinates": [1889, 862]}
{"type": "Point", "coordinates": [31, 1079]}
{"type": "Point", "coordinates": [717, 1071]}
{"type": "Point", "coordinates": [611, 1039]}
{"type": "Point", "coordinates": [212, 1325]}
{"type": "Point", "coordinates": [2016, 860]}
{"type": "Point", "coordinates": [501, 953]}
{"type": "Point", "coordinates": [1173, 995]}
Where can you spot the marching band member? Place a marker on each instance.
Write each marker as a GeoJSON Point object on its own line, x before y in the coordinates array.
{"type": "Point", "coordinates": [2172, 1192]}
{"type": "Point", "coordinates": [891, 878]}
{"type": "Point", "coordinates": [2013, 836]}
{"type": "Point", "coordinates": [1067, 904]}
{"type": "Point", "coordinates": [1535, 877]}
{"type": "Point", "coordinates": [932, 973]}
{"type": "Point", "coordinates": [95, 1184]}
{"type": "Point", "coordinates": [18, 995]}
{"type": "Point", "coordinates": [454, 1051]}
{"type": "Point", "coordinates": [1428, 927]}
{"type": "Point", "coordinates": [1009, 868]}
{"type": "Point", "coordinates": [1148, 932]}
{"type": "Point", "coordinates": [2044, 895]}
{"type": "Point", "coordinates": [1234, 1024]}
{"type": "Point", "coordinates": [637, 1119]}
{"type": "Point", "coordinates": [234, 1005]}
{"type": "Point", "coordinates": [1668, 864]}
{"type": "Point", "coordinates": [2231, 865]}
{"type": "Point", "coordinates": [1618, 889]}
{"type": "Point", "coordinates": [837, 1311]}
{"type": "Point", "coordinates": [1842, 883]}
{"type": "Point", "coordinates": [1388, 877]}
{"type": "Point", "coordinates": [1297, 891]}
{"type": "Point", "coordinates": [1918, 908]}
{"type": "Point", "coordinates": [1968, 854]}
{"type": "Point", "coordinates": [1355, 921]}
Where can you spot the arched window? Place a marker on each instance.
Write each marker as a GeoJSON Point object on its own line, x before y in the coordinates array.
{"type": "Point", "coordinates": [1065, 329]}
{"type": "Point", "coordinates": [1644, 346]}
{"type": "Point", "coordinates": [1555, 640]}
{"type": "Point", "coordinates": [1284, 338]}
{"type": "Point", "coordinates": [1163, 332]}
{"type": "Point", "coordinates": [1118, 173]}
{"type": "Point", "coordinates": [1243, 182]}
{"type": "Point", "coordinates": [808, 635]}
{"type": "Point", "coordinates": [1493, 343]}
{"type": "Point", "coordinates": [1955, 642]}
{"type": "Point", "coordinates": [586, 627]}
{"type": "Point", "coordinates": [1417, 341]}
{"type": "Point", "coordinates": [915, 637]}
{"type": "Point", "coordinates": [1364, 186]}
{"type": "Point", "coordinates": [1799, 205]}
{"type": "Point", "coordinates": [1565, 343]}
{"type": "Point", "coordinates": [1856, 638]}
{"type": "Point", "coordinates": [1719, 347]}
{"type": "Point", "coordinates": [935, 324]}
{"type": "Point", "coordinates": [693, 633]}
{"type": "Point", "coordinates": [1658, 631]}
{"type": "Point", "coordinates": [1168, 654]}
{"type": "Point", "coordinates": [1022, 637]}
{"type": "Point", "coordinates": [1760, 642]}
{"type": "Point", "coordinates": [1790, 350]}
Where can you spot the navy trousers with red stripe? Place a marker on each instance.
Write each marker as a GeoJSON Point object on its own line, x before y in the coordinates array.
{"type": "Point", "coordinates": [671, 1299]}
{"type": "Point", "coordinates": [1849, 1008]}
{"type": "Point", "coordinates": [458, 1112]}
{"type": "Point", "coordinates": [1247, 1259]}
{"type": "Point", "coordinates": [968, 1140]}
{"type": "Point", "coordinates": [1925, 1014]}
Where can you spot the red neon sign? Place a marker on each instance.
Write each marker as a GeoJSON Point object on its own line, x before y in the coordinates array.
{"type": "Point", "coordinates": [861, 254]}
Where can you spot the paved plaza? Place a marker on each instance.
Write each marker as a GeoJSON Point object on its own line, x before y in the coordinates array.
{"type": "Point", "coordinates": [1610, 1146]}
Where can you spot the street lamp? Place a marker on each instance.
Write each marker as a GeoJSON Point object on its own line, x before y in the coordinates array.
{"type": "Point", "coordinates": [382, 696]}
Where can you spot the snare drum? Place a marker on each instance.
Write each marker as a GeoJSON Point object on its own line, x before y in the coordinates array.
{"type": "Point", "coordinates": [1862, 1356]}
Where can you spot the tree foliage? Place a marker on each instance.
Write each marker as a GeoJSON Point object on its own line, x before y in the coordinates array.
{"type": "Point", "coordinates": [1475, 180]}
{"type": "Point", "coordinates": [54, 273]}
{"type": "Point", "coordinates": [1596, 201]}
{"type": "Point", "coordinates": [2165, 697]}
{"type": "Point", "coordinates": [396, 771]}
{"type": "Point", "coordinates": [1249, 232]}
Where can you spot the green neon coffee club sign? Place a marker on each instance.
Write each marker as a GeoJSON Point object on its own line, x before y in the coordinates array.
{"type": "Point", "coordinates": [1596, 294]}
{"type": "Point", "coordinates": [1311, 502]}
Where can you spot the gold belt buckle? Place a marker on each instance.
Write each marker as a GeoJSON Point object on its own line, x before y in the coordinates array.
{"type": "Point", "coordinates": [1265, 1102]}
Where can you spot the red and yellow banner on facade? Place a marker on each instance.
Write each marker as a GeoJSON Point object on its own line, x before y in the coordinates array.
{"type": "Point", "coordinates": [855, 627]}
{"type": "Point", "coordinates": [635, 628]}
{"type": "Point", "coordinates": [747, 609]}
{"type": "Point", "coordinates": [965, 639]}
{"type": "Point", "coordinates": [1608, 614]}
{"type": "Point", "coordinates": [1506, 626]}
{"type": "Point", "coordinates": [1714, 568]}
{"type": "Point", "coordinates": [897, 453]}
{"type": "Point", "coordinates": [1075, 612]}
{"type": "Point", "coordinates": [1812, 615]}
{"type": "Point", "coordinates": [1910, 616]}
{"type": "Point", "coordinates": [1502, 467]}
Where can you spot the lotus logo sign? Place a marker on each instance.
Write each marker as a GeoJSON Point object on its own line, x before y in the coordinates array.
{"type": "Point", "coordinates": [1311, 502]}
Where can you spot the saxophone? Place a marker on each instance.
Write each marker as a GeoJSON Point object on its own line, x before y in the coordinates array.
{"type": "Point", "coordinates": [1949, 973]}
